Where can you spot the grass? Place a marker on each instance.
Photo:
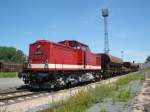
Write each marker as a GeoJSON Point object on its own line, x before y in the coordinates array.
{"type": "Point", "coordinates": [117, 91]}
{"type": "Point", "coordinates": [103, 110]}
{"type": "Point", "coordinates": [7, 74]}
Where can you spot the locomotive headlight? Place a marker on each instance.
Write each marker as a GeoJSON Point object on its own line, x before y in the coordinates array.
{"type": "Point", "coordinates": [38, 46]}
{"type": "Point", "coordinates": [29, 64]}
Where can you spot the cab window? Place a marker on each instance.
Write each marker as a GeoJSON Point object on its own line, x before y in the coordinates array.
{"type": "Point", "coordinates": [85, 48]}
{"type": "Point", "coordinates": [74, 45]}
{"type": "Point", "coordinates": [38, 52]}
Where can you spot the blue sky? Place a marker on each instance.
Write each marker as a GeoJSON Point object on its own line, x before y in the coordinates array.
{"type": "Point", "coordinates": [24, 21]}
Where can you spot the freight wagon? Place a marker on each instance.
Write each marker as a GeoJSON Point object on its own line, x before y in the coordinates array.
{"type": "Point", "coordinates": [10, 67]}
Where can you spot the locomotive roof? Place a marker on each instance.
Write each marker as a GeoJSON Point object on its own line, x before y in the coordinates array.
{"type": "Point", "coordinates": [47, 41]}
{"type": "Point", "coordinates": [74, 41]}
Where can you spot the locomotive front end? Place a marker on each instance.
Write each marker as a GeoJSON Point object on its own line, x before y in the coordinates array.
{"type": "Point", "coordinates": [36, 66]}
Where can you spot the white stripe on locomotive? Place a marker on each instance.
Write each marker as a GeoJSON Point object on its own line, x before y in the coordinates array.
{"type": "Point", "coordinates": [60, 66]}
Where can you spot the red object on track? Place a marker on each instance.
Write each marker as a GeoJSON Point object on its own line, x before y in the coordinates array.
{"type": "Point", "coordinates": [64, 55]}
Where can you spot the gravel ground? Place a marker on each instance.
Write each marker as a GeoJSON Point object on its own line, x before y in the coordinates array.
{"type": "Point", "coordinates": [6, 83]}
{"type": "Point", "coordinates": [119, 106]}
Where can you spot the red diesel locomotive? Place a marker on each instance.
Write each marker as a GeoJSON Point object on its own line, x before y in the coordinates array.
{"type": "Point", "coordinates": [65, 55]}
{"type": "Point", "coordinates": [58, 64]}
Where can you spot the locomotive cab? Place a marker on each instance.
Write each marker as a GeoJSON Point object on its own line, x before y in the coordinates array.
{"type": "Point", "coordinates": [75, 45]}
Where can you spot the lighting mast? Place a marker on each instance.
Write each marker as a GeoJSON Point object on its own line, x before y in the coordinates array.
{"type": "Point", "coordinates": [106, 41]}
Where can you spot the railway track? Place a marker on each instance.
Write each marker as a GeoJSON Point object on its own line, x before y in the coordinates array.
{"type": "Point", "coordinates": [10, 97]}
{"type": "Point", "coordinates": [10, 92]}
{"type": "Point", "coordinates": [14, 96]}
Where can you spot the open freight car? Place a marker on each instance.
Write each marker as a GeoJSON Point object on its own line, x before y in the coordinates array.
{"type": "Point", "coordinates": [10, 67]}
{"type": "Point", "coordinates": [111, 65]}
{"type": "Point", "coordinates": [130, 67]}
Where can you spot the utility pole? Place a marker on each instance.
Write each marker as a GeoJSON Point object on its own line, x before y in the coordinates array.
{"type": "Point", "coordinates": [106, 41]}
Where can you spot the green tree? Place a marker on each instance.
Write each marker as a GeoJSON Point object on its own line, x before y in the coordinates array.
{"type": "Point", "coordinates": [19, 57]}
{"type": "Point", "coordinates": [11, 54]}
{"type": "Point", "coordinates": [148, 59]}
